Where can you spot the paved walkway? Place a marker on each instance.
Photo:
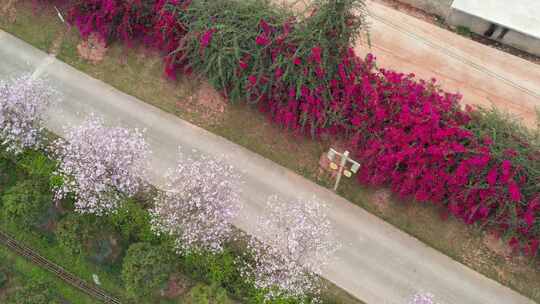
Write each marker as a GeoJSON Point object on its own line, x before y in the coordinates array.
{"type": "Point", "coordinates": [484, 75]}
{"type": "Point", "coordinates": [378, 263]}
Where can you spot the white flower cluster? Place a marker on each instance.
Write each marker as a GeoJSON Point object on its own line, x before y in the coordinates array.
{"type": "Point", "coordinates": [100, 165]}
{"type": "Point", "coordinates": [423, 299]}
{"type": "Point", "coordinates": [23, 104]}
{"type": "Point", "coordinates": [198, 204]}
{"type": "Point", "coordinates": [295, 240]}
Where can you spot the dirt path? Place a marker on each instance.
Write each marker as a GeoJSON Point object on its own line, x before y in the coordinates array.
{"type": "Point", "coordinates": [483, 75]}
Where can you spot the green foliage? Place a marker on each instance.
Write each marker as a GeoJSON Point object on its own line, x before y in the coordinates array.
{"type": "Point", "coordinates": [203, 294]}
{"type": "Point", "coordinates": [34, 292]}
{"type": "Point", "coordinates": [236, 22]}
{"type": "Point", "coordinates": [333, 26]}
{"type": "Point", "coordinates": [35, 163]}
{"type": "Point", "coordinates": [146, 268]}
{"type": "Point", "coordinates": [3, 278]}
{"type": "Point", "coordinates": [508, 135]}
{"type": "Point", "coordinates": [133, 222]}
{"type": "Point", "coordinates": [217, 268]}
{"type": "Point", "coordinates": [8, 174]}
{"type": "Point", "coordinates": [463, 31]}
{"type": "Point", "coordinates": [27, 202]}
{"type": "Point", "coordinates": [336, 24]}
{"type": "Point", "coordinates": [74, 230]}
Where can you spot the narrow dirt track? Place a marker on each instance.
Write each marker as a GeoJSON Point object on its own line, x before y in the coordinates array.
{"type": "Point", "coordinates": [484, 75]}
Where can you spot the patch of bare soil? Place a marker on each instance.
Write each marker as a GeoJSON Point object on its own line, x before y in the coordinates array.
{"type": "Point", "coordinates": [439, 21]}
{"type": "Point", "coordinates": [382, 199]}
{"type": "Point", "coordinates": [177, 286]}
{"type": "Point", "coordinates": [497, 245]}
{"type": "Point", "coordinates": [8, 11]}
{"type": "Point", "coordinates": [92, 49]}
{"type": "Point", "coordinates": [57, 43]}
{"type": "Point", "coordinates": [205, 101]}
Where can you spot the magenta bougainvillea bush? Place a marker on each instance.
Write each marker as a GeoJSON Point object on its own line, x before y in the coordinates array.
{"type": "Point", "coordinates": [301, 71]}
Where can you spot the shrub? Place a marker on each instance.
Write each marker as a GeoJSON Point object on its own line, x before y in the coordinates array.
{"type": "Point", "coordinates": [133, 222]}
{"type": "Point", "coordinates": [27, 202]}
{"type": "Point", "coordinates": [146, 267]}
{"type": "Point", "coordinates": [36, 164]}
{"type": "Point", "coordinates": [35, 291]}
{"type": "Point", "coordinates": [202, 294]}
{"type": "Point", "coordinates": [3, 278]}
{"type": "Point", "coordinates": [75, 230]}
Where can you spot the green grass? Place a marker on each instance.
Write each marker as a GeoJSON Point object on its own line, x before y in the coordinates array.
{"type": "Point", "coordinates": [41, 36]}
{"type": "Point", "coordinates": [51, 250]}
{"type": "Point", "coordinates": [463, 31]}
{"type": "Point", "coordinates": [140, 74]}
{"type": "Point", "coordinates": [21, 270]}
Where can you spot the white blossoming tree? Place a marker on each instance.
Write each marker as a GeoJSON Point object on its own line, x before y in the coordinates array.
{"type": "Point", "coordinates": [100, 165]}
{"type": "Point", "coordinates": [23, 104]}
{"type": "Point", "coordinates": [422, 299]}
{"type": "Point", "coordinates": [198, 204]}
{"type": "Point", "coordinates": [294, 241]}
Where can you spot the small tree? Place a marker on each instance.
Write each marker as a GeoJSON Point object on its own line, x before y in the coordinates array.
{"type": "Point", "coordinates": [23, 104]}
{"type": "Point", "coordinates": [146, 267]}
{"type": "Point", "coordinates": [100, 165]}
{"type": "Point", "coordinates": [294, 241]}
{"type": "Point", "coordinates": [198, 204]}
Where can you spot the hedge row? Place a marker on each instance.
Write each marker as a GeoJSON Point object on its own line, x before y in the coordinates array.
{"type": "Point", "coordinates": [302, 72]}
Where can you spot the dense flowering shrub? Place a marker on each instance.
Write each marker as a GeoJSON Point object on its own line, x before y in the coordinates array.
{"type": "Point", "coordinates": [301, 72]}
{"type": "Point", "coordinates": [23, 104]}
{"type": "Point", "coordinates": [100, 165]}
{"type": "Point", "coordinates": [295, 240]}
{"type": "Point", "coordinates": [198, 204]}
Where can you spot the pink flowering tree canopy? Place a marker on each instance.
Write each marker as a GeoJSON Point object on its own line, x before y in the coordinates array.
{"type": "Point", "coordinates": [23, 104]}
{"type": "Point", "coordinates": [100, 165]}
{"type": "Point", "coordinates": [199, 202]}
{"type": "Point", "coordinates": [294, 242]}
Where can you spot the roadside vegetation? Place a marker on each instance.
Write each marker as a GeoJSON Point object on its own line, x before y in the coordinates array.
{"type": "Point", "coordinates": [138, 72]}
{"type": "Point", "coordinates": [82, 201]}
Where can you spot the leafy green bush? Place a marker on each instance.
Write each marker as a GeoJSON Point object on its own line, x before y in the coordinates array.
{"type": "Point", "coordinates": [3, 278]}
{"type": "Point", "coordinates": [36, 164]}
{"type": "Point", "coordinates": [7, 174]}
{"type": "Point", "coordinates": [146, 268]}
{"type": "Point", "coordinates": [34, 292]}
{"type": "Point", "coordinates": [203, 294]}
{"type": "Point", "coordinates": [74, 230]}
{"type": "Point", "coordinates": [27, 202]}
{"type": "Point", "coordinates": [133, 222]}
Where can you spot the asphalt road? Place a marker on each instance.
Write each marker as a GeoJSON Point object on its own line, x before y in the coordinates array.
{"type": "Point", "coordinates": [378, 263]}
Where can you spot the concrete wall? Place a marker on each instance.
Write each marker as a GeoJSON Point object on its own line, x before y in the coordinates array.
{"type": "Point", "coordinates": [476, 25]}
{"type": "Point", "coordinates": [480, 26]}
{"type": "Point", "coordinates": [454, 17]}
{"type": "Point", "coordinates": [522, 42]}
